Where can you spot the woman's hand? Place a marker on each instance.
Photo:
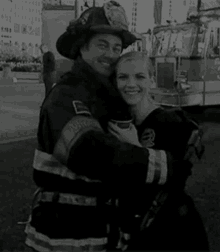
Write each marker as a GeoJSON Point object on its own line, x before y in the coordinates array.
{"type": "Point", "coordinates": [125, 135]}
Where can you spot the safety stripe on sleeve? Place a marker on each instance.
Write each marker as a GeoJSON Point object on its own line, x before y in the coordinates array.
{"type": "Point", "coordinates": [74, 129]}
{"type": "Point", "coordinates": [157, 168]}
{"type": "Point", "coordinates": [48, 163]}
{"type": "Point", "coordinates": [65, 198]}
{"type": "Point", "coordinates": [43, 243]}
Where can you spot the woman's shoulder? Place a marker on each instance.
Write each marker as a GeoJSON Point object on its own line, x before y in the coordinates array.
{"type": "Point", "coordinates": [173, 115]}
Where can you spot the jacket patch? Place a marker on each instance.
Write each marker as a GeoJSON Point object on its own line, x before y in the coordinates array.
{"type": "Point", "coordinates": [148, 138]}
{"type": "Point", "coordinates": [80, 108]}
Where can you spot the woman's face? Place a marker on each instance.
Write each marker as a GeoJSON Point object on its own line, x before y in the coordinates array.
{"type": "Point", "coordinates": [133, 81]}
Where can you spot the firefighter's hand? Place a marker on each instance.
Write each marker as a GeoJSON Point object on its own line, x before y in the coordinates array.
{"type": "Point", "coordinates": [123, 241]}
{"type": "Point", "coordinates": [125, 135]}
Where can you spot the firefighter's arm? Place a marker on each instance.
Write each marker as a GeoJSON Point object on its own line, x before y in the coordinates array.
{"type": "Point", "coordinates": [81, 150]}
{"type": "Point", "coordinates": [190, 137]}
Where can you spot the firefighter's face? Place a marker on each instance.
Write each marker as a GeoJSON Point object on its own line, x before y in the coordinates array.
{"type": "Point", "coordinates": [133, 81]}
{"type": "Point", "coordinates": [102, 52]}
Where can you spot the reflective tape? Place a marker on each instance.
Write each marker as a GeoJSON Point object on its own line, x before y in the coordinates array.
{"type": "Point", "coordinates": [164, 170]}
{"type": "Point", "coordinates": [43, 243]}
{"type": "Point", "coordinates": [74, 129]}
{"type": "Point", "coordinates": [157, 168]}
{"type": "Point", "coordinates": [65, 198]}
{"type": "Point", "coordinates": [48, 163]}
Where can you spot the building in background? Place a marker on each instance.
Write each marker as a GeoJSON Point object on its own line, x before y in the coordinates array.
{"type": "Point", "coordinates": [6, 22]}
{"type": "Point", "coordinates": [68, 2]}
{"type": "Point", "coordinates": [191, 7]}
{"type": "Point", "coordinates": [145, 15]}
{"type": "Point", "coordinates": [27, 24]}
{"type": "Point", "coordinates": [82, 5]}
{"type": "Point", "coordinates": [51, 2]}
{"type": "Point", "coordinates": [175, 10]}
{"type": "Point", "coordinates": [158, 4]}
{"type": "Point", "coordinates": [209, 4]}
{"type": "Point", "coordinates": [141, 19]}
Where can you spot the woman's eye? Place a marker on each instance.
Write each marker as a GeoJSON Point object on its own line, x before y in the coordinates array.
{"type": "Point", "coordinates": [122, 77]}
{"type": "Point", "coordinates": [141, 77]}
{"type": "Point", "coordinates": [102, 46]}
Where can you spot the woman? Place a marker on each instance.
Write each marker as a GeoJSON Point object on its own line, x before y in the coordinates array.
{"type": "Point", "coordinates": [176, 224]}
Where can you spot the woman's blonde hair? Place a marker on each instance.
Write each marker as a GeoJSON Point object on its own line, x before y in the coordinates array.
{"type": "Point", "coordinates": [133, 55]}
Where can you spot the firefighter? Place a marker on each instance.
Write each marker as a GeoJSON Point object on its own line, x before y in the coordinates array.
{"type": "Point", "coordinates": [78, 166]}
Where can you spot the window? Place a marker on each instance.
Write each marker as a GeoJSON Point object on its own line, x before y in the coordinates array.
{"type": "Point", "coordinates": [214, 44]}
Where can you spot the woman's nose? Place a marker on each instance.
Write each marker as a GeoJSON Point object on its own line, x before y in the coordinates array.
{"type": "Point", "coordinates": [131, 82]}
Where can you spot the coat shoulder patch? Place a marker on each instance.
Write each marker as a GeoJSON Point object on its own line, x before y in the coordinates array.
{"type": "Point", "coordinates": [80, 108]}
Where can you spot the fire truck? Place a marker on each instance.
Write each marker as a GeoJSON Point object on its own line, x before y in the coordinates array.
{"type": "Point", "coordinates": [187, 61]}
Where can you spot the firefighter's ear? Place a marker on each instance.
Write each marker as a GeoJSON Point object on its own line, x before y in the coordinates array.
{"type": "Point", "coordinates": [85, 53]}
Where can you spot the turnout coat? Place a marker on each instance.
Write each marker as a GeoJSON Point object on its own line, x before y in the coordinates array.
{"type": "Point", "coordinates": [78, 166]}
{"type": "Point", "coordinates": [164, 218]}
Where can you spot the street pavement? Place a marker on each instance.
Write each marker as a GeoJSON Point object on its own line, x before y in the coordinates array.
{"type": "Point", "coordinates": [17, 188]}
{"type": "Point", "coordinates": [19, 111]}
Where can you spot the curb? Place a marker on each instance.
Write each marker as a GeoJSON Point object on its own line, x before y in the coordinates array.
{"type": "Point", "coordinates": [10, 136]}
{"type": "Point", "coordinates": [22, 84]}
